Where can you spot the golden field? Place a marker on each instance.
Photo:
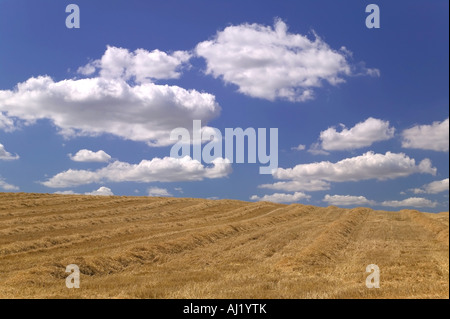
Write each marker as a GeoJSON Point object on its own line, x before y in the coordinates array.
{"type": "Point", "coordinates": [155, 247]}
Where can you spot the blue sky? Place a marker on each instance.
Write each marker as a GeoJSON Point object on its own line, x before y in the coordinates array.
{"type": "Point", "coordinates": [368, 107]}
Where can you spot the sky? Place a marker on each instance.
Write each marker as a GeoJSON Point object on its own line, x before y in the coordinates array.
{"type": "Point", "coordinates": [362, 114]}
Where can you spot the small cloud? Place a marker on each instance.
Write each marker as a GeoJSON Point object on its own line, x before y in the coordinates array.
{"type": "Point", "coordinates": [347, 200]}
{"type": "Point", "coordinates": [159, 192]}
{"type": "Point", "coordinates": [363, 134]}
{"type": "Point", "coordinates": [433, 137]}
{"type": "Point", "coordinates": [6, 156]}
{"type": "Point", "coordinates": [85, 155]}
{"type": "Point", "coordinates": [282, 197]}
{"type": "Point", "coordinates": [102, 191]}
{"type": "Point", "coordinates": [316, 149]}
{"type": "Point", "coordinates": [410, 202]}
{"type": "Point", "coordinates": [435, 187]}
{"type": "Point", "coordinates": [66, 193]}
{"type": "Point", "coordinates": [7, 187]}
{"type": "Point", "coordinates": [300, 147]}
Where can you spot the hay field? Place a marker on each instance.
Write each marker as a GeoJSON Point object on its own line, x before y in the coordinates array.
{"type": "Point", "coordinates": [154, 247]}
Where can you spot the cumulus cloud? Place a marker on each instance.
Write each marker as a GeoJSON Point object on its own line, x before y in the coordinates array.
{"type": "Point", "coordinates": [7, 187]}
{"type": "Point", "coordinates": [363, 134]}
{"type": "Point", "coordinates": [347, 200]}
{"type": "Point", "coordinates": [146, 112]}
{"type": "Point", "coordinates": [294, 186]}
{"type": "Point", "coordinates": [433, 187]}
{"type": "Point", "coordinates": [281, 197]}
{"type": "Point", "coordinates": [367, 166]}
{"type": "Point", "coordinates": [85, 155]}
{"type": "Point", "coordinates": [102, 191]}
{"type": "Point", "coordinates": [165, 169]}
{"type": "Point", "coordinates": [160, 192]}
{"type": "Point", "coordinates": [140, 65]}
{"type": "Point", "coordinates": [5, 155]}
{"type": "Point", "coordinates": [269, 62]}
{"type": "Point", "coordinates": [110, 102]}
{"type": "Point", "coordinates": [433, 137]}
{"type": "Point", "coordinates": [410, 202]}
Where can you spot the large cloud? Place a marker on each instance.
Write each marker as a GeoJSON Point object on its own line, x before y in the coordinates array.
{"type": "Point", "coordinates": [140, 65]}
{"type": "Point", "coordinates": [361, 135]}
{"type": "Point", "coordinates": [5, 155]}
{"type": "Point", "coordinates": [281, 197]}
{"type": "Point", "coordinates": [410, 202]}
{"type": "Point", "coordinates": [146, 112]}
{"type": "Point", "coordinates": [433, 137]}
{"type": "Point", "coordinates": [85, 155]}
{"type": "Point", "coordinates": [165, 169]}
{"type": "Point", "coordinates": [347, 200]}
{"type": "Point", "coordinates": [367, 166]}
{"type": "Point", "coordinates": [270, 63]}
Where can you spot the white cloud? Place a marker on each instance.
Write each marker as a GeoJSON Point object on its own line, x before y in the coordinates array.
{"type": "Point", "coordinates": [156, 191]}
{"type": "Point", "coordinates": [146, 112]}
{"type": "Point", "coordinates": [410, 202]}
{"type": "Point", "coordinates": [433, 137]}
{"type": "Point", "coordinates": [364, 167]}
{"type": "Point", "coordinates": [5, 155]}
{"type": "Point", "coordinates": [269, 62]}
{"type": "Point", "coordinates": [294, 186]}
{"type": "Point", "coordinates": [140, 65]}
{"type": "Point", "coordinates": [316, 149]}
{"type": "Point", "coordinates": [7, 187]}
{"type": "Point", "coordinates": [347, 200]}
{"type": "Point", "coordinates": [433, 187]}
{"type": "Point", "coordinates": [281, 197]}
{"type": "Point", "coordinates": [69, 192]}
{"type": "Point", "coordinates": [6, 123]}
{"type": "Point", "coordinates": [85, 155]}
{"type": "Point", "coordinates": [102, 191]}
{"type": "Point", "coordinates": [300, 147]}
{"type": "Point", "coordinates": [363, 134]}
{"type": "Point", "coordinates": [165, 169]}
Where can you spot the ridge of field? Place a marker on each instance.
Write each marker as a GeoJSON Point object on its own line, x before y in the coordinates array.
{"type": "Point", "coordinates": [161, 247]}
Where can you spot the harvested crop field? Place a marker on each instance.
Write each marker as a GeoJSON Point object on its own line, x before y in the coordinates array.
{"type": "Point", "coordinates": [156, 247]}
